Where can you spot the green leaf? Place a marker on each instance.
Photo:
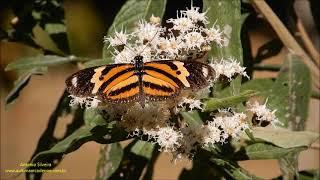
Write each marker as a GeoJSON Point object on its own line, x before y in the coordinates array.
{"type": "Point", "coordinates": [38, 61]}
{"type": "Point", "coordinates": [143, 148]}
{"type": "Point", "coordinates": [216, 103]}
{"type": "Point", "coordinates": [283, 137]}
{"type": "Point", "coordinates": [192, 118]}
{"type": "Point", "coordinates": [93, 118]}
{"type": "Point", "coordinates": [43, 61]}
{"type": "Point", "coordinates": [261, 86]}
{"type": "Point", "coordinates": [134, 10]}
{"type": "Point", "coordinates": [268, 151]}
{"type": "Point", "coordinates": [232, 169]}
{"type": "Point", "coordinates": [134, 161]}
{"type": "Point", "coordinates": [96, 130]}
{"type": "Point", "coordinates": [97, 62]}
{"type": "Point", "coordinates": [81, 136]}
{"type": "Point", "coordinates": [226, 15]}
{"type": "Point", "coordinates": [291, 93]}
{"type": "Point", "coordinates": [290, 96]}
{"type": "Point", "coordinates": [22, 81]}
{"type": "Point", "coordinates": [110, 158]}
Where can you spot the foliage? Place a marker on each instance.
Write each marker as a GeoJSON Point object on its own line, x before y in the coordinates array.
{"type": "Point", "coordinates": [289, 93]}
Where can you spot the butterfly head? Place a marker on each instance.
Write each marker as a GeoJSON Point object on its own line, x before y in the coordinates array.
{"type": "Point", "coordinates": [138, 61]}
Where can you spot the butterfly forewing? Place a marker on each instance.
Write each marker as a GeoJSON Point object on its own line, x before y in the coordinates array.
{"type": "Point", "coordinates": [106, 82]}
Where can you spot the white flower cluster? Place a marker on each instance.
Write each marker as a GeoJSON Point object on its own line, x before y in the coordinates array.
{"type": "Point", "coordinates": [190, 103]}
{"type": "Point", "coordinates": [188, 37]}
{"type": "Point", "coordinates": [184, 142]}
{"type": "Point", "coordinates": [185, 38]}
{"type": "Point", "coordinates": [228, 68]}
{"type": "Point", "coordinates": [262, 114]}
{"type": "Point", "coordinates": [88, 102]}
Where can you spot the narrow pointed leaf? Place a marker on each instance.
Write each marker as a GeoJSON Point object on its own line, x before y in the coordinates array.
{"type": "Point", "coordinates": [110, 158]}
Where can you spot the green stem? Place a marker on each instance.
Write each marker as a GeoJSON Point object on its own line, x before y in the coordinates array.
{"type": "Point", "coordinates": [215, 103]}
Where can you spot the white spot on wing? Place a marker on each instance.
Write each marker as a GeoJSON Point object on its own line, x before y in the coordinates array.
{"type": "Point", "coordinates": [205, 71]}
{"type": "Point", "coordinates": [74, 81]}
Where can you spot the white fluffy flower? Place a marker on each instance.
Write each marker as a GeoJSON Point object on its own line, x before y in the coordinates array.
{"type": "Point", "coordinates": [212, 134]}
{"type": "Point", "coordinates": [167, 138]}
{"type": "Point", "coordinates": [170, 46]}
{"type": "Point", "coordinates": [147, 32]}
{"type": "Point", "coordinates": [192, 103]}
{"type": "Point", "coordinates": [120, 38]}
{"type": "Point", "coordinates": [214, 34]}
{"type": "Point", "coordinates": [195, 15]}
{"type": "Point", "coordinates": [89, 102]}
{"type": "Point", "coordinates": [125, 56]}
{"type": "Point", "coordinates": [263, 113]}
{"type": "Point", "coordinates": [92, 102]}
{"type": "Point", "coordinates": [228, 68]}
{"type": "Point", "coordinates": [193, 40]}
{"type": "Point", "coordinates": [181, 24]}
{"type": "Point", "coordinates": [76, 100]}
{"type": "Point", "coordinates": [231, 125]}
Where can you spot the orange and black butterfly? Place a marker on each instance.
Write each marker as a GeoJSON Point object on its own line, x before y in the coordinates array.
{"type": "Point", "coordinates": [139, 82]}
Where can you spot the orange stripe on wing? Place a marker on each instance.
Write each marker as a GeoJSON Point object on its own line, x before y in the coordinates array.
{"type": "Point", "coordinates": [121, 84]}
{"type": "Point", "coordinates": [125, 95]}
{"type": "Point", "coordinates": [118, 80]}
{"type": "Point", "coordinates": [156, 92]}
{"type": "Point", "coordinates": [183, 72]}
{"type": "Point", "coordinates": [161, 77]}
{"type": "Point", "coordinates": [160, 82]}
{"type": "Point", "coordinates": [115, 70]}
{"type": "Point", "coordinates": [163, 67]}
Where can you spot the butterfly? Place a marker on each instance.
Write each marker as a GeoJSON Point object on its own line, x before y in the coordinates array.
{"type": "Point", "coordinates": [140, 82]}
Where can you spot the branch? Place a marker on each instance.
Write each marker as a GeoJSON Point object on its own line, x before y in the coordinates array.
{"type": "Point", "coordinates": [287, 39]}
{"type": "Point", "coordinates": [308, 43]}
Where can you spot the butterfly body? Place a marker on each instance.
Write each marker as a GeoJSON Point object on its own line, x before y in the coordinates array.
{"type": "Point", "coordinates": [139, 82]}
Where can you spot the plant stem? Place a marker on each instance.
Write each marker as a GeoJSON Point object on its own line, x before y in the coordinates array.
{"type": "Point", "coordinates": [287, 39]}
{"type": "Point", "coordinates": [216, 103]}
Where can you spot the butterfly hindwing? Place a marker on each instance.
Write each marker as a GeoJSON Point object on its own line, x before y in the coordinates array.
{"type": "Point", "coordinates": [183, 74]}
{"type": "Point", "coordinates": [163, 79]}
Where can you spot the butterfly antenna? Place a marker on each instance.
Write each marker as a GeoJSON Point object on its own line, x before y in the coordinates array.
{"type": "Point", "coordinates": [148, 42]}
{"type": "Point", "coordinates": [124, 43]}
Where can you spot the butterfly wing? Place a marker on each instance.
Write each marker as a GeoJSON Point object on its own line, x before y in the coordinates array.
{"type": "Point", "coordinates": [164, 79]}
{"type": "Point", "coordinates": [112, 83]}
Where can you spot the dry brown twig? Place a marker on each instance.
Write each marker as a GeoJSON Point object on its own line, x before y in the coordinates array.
{"type": "Point", "coordinates": [308, 43]}
{"type": "Point", "coordinates": [287, 39]}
